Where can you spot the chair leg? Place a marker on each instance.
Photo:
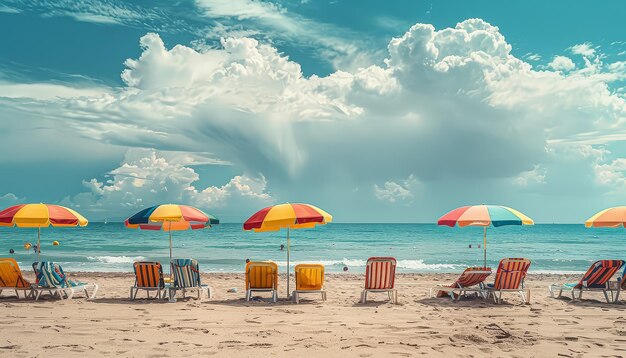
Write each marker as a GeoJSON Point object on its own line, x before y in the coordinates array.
{"type": "Point", "coordinates": [324, 295]}
{"type": "Point", "coordinates": [296, 297]}
{"type": "Point", "coordinates": [606, 296]}
{"type": "Point", "coordinates": [209, 292]}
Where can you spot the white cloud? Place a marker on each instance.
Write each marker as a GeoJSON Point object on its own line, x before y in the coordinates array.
{"type": "Point", "coordinates": [47, 91]}
{"type": "Point", "coordinates": [147, 178]}
{"type": "Point", "coordinates": [585, 49]}
{"type": "Point", "coordinates": [612, 174]}
{"type": "Point", "coordinates": [448, 105]}
{"type": "Point", "coordinates": [393, 192]}
{"type": "Point", "coordinates": [562, 63]}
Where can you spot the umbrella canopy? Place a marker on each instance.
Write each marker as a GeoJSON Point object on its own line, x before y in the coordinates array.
{"type": "Point", "coordinates": [611, 217]}
{"type": "Point", "coordinates": [40, 215]}
{"type": "Point", "coordinates": [171, 217]}
{"type": "Point", "coordinates": [287, 216]}
{"type": "Point", "coordinates": [484, 215]}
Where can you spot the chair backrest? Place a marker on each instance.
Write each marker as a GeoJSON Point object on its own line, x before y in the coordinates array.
{"type": "Point", "coordinates": [148, 274]}
{"type": "Point", "coordinates": [10, 274]}
{"type": "Point", "coordinates": [473, 276]}
{"type": "Point", "coordinates": [51, 275]}
{"type": "Point", "coordinates": [599, 273]}
{"type": "Point", "coordinates": [186, 273]}
{"type": "Point", "coordinates": [380, 273]}
{"type": "Point", "coordinates": [511, 273]}
{"type": "Point", "coordinates": [309, 277]}
{"type": "Point", "coordinates": [261, 275]}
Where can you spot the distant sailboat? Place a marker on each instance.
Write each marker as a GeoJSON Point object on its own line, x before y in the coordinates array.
{"type": "Point", "coordinates": [106, 221]}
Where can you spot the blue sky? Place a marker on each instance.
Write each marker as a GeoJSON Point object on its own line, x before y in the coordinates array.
{"type": "Point", "coordinates": [376, 112]}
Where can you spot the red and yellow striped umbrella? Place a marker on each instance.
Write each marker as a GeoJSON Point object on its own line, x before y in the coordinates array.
{"type": "Point", "coordinates": [40, 215]}
{"type": "Point", "coordinates": [611, 217]}
{"type": "Point", "coordinates": [287, 216]}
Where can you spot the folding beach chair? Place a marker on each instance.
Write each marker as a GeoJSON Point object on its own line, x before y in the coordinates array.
{"type": "Point", "coordinates": [510, 278]}
{"type": "Point", "coordinates": [51, 278]}
{"type": "Point", "coordinates": [309, 279]}
{"type": "Point", "coordinates": [262, 277]}
{"type": "Point", "coordinates": [471, 280]}
{"type": "Point", "coordinates": [187, 277]}
{"type": "Point", "coordinates": [380, 276]}
{"type": "Point", "coordinates": [148, 277]}
{"type": "Point", "coordinates": [11, 279]}
{"type": "Point", "coordinates": [595, 279]}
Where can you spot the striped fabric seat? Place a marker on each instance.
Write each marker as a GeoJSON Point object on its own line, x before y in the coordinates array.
{"type": "Point", "coordinates": [52, 278]}
{"type": "Point", "coordinates": [380, 275]}
{"type": "Point", "coordinates": [471, 277]}
{"type": "Point", "coordinates": [510, 278]}
{"type": "Point", "coordinates": [148, 277]}
{"type": "Point", "coordinates": [262, 277]}
{"type": "Point", "coordinates": [187, 276]}
{"type": "Point", "coordinates": [595, 279]}
{"type": "Point", "coordinates": [309, 279]}
{"type": "Point", "coordinates": [11, 278]}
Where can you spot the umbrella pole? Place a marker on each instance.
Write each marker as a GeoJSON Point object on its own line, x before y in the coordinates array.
{"type": "Point", "coordinates": [38, 242]}
{"type": "Point", "coordinates": [485, 246]}
{"type": "Point", "coordinates": [170, 230]}
{"type": "Point", "coordinates": [288, 249]}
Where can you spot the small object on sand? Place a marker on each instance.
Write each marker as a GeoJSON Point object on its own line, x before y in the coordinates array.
{"type": "Point", "coordinates": [232, 290]}
{"type": "Point", "coordinates": [55, 243]}
{"type": "Point", "coordinates": [345, 268]}
{"type": "Point", "coordinates": [11, 251]}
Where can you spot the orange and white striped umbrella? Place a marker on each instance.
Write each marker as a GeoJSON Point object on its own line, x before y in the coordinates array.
{"type": "Point", "coordinates": [611, 217]}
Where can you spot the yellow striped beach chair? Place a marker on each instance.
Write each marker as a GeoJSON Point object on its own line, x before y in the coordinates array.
{"type": "Point", "coordinates": [148, 277]}
{"type": "Point", "coordinates": [309, 279]}
{"type": "Point", "coordinates": [11, 278]}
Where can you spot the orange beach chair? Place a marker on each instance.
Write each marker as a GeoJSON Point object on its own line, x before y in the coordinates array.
{"type": "Point", "coordinates": [309, 279]}
{"type": "Point", "coordinates": [380, 276]}
{"type": "Point", "coordinates": [11, 278]}
{"type": "Point", "coordinates": [510, 278]}
{"type": "Point", "coordinates": [148, 277]}
{"type": "Point", "coordinates": [466, 282]}
{"type": "Point", "coordinates": [262, 277]}
{"type": "Point", "coordinates": [595, 279]}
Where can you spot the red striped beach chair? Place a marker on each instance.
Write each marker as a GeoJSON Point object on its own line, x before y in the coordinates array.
{"type": "Point", "coordinates": [620, 285]}
{"type": "Point", "coordinates": [595, 279]}
{"type": "Point", "coordinates": [510, 278]}
{"type": "Point", "coordinates": [471, 280]}
{"type": "Point", "coordinates": [380, 276]}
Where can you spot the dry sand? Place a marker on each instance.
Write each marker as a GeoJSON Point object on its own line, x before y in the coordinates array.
{"type": "Point", "coordinates": [228, 326]}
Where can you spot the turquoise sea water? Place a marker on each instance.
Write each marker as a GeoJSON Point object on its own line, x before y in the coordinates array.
{"type": "Point", "coordinates": [418, 247]}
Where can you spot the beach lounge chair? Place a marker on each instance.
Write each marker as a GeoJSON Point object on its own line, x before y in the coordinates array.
{"type": "Point", "coordinates": [262, 277]}
{"type": "Point", "coordinates": [380, 276]}
{"type": "Point", "coordinates": [309, 279]}
{"type": "Point", "coordinates": [11, 279]}
{"type": "Point", "coordinates": [471, 280]}
{"type": "Point", "coordinates": [595, 279]}
{"type": "Point", "coordinates": [510, 278]}
{"type": "Point", "coordinates": [148, 277]}
{"type": "Point", "coordinates": [51, 278]}
{"type": "Point", "coordinates": [187, 277]}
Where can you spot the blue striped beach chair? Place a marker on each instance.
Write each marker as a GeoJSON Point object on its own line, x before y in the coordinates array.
{"type": "Point", "coordinates": [187, 277]}
{"type": "Point", "coordinates": [51, 278]}
{"type": "Point", "coordinates": [595, 279]}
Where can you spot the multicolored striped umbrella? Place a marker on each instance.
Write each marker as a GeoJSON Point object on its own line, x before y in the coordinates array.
{"type": "Point", "coordinates": [171, 217]}
{"type": "Point", "coordinates": [484, 215]}
{"type": "Point", "coordinates": [287, 216]}
{"type": "Point", "coordinates": [40, 215]}
{"type": "Point", "coordinates": [611, 217]}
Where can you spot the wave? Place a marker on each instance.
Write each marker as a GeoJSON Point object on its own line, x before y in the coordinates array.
{"type": "Point", "coordinates": [402, 264]}
{"type": "Point", "coordinates": [116, 259]}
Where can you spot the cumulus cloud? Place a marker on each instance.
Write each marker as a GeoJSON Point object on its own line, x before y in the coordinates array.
{"type": "Point", "coordinates": [452, 104]}
{"type": "Point", "coordinates": [392, 191]}
{"type": "Point", "coordinates": [562, 63]}
{"type": "Point", "coordinates": [146, 177]}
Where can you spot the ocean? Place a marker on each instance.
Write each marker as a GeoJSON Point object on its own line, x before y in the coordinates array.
{"type": "Point", "coordinates": [417, 247]}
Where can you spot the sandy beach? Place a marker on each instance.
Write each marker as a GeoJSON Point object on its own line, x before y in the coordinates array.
{"type": "Point", "coordinates": [227, 325]}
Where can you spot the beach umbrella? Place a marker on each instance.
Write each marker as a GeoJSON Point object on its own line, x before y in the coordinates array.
{"type": "Point", "coordinates": [40, 215]}
{"type": "Point", "coordinates": [171, 217]}
{"type": "Point", "coordinates": [287, 216]}
{"type": "Point", "coordinates": [484, 215]}
{"type": "Point", "coordinates": [611, 217]}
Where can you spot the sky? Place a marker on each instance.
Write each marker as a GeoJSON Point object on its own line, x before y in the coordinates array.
{"type": "Point", "coordinates": [374, 111]}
